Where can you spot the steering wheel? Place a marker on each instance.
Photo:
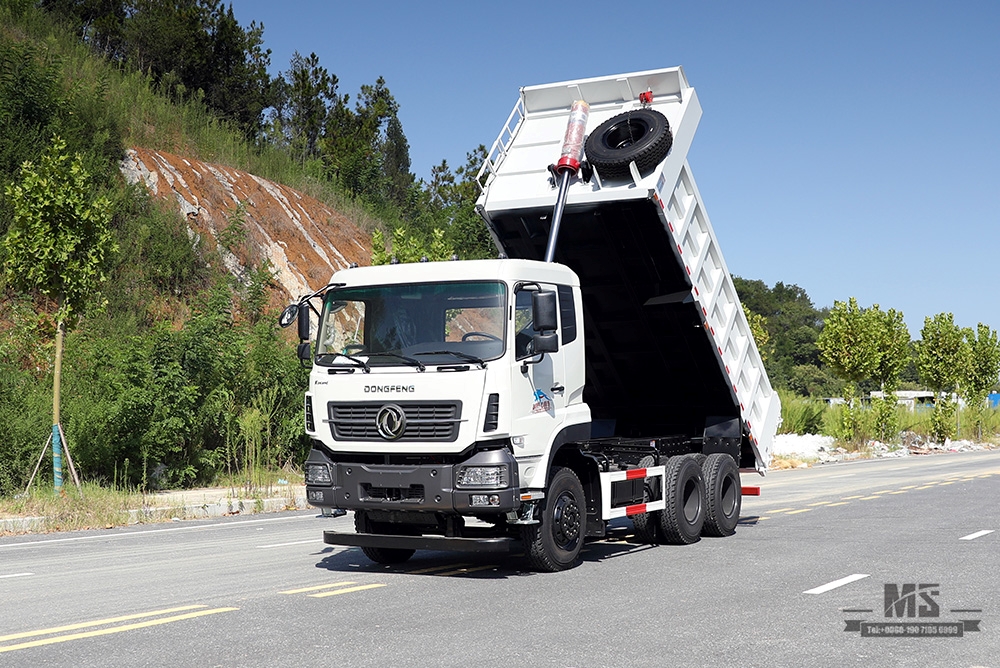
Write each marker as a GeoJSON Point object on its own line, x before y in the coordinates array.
{"type": "Point", "coordinates": [485, 335]}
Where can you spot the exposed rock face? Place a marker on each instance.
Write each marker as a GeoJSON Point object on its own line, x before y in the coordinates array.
{"type": "Point", "coordinates": [304, 240]}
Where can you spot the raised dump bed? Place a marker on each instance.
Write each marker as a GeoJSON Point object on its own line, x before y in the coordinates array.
{"type": "Point", "coordinates": [668, 347]}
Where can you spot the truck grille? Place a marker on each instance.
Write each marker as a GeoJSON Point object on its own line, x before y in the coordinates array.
{"type": "Point", "coordinates": [358, 421]}
{"type": "Point", "coordinates": [414, 494]}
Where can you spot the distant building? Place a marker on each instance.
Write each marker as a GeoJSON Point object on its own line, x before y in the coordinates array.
{"type": "Point", "coordinates": [916, 400]}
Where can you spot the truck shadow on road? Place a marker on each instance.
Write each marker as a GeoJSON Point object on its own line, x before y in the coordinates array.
{"type": "Point", "coordinates": [619, 542]}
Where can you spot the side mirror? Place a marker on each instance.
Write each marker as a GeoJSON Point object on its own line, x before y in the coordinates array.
{"type": "Point", "coordinates": [303, 322]}
{"type": "Point", "coordinates": [543, 310]}
{"type": "Point", "coordinates": [288, 316]}
{"type": "Point", "coordinates": [304, 352]}
{"type": "Point", "coordinates": [545, 343]}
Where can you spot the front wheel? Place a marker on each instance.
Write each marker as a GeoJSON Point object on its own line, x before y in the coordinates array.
{"type": "Point", "coordinates": [380, 555]}
{"type": "Point", "coordinates": [555, 543]}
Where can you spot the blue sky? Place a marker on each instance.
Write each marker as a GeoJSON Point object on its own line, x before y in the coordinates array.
{"type": "Point", "coordinates": [851, 148]}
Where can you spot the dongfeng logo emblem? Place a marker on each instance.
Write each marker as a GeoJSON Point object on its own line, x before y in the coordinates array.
{"type": "Point", "coordinates": [391, 422]}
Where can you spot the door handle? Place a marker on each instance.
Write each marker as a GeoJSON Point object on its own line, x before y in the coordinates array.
{"type": "Point", "coordinates": [557, 389]}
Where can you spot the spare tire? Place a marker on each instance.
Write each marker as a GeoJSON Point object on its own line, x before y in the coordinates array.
{"type": "Point", "coordinates": [642, 135]}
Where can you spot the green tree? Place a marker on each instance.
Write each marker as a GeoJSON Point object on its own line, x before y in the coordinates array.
{"type": "Point", "coordinates": [450, 204]}
{"type": "Point", "coordinates": [981, 373]}
{"type": "Point", "coordinates": [894, 355]}
{"type": "Point", "coordinates": [758, 328]}
{"type": "Point", "coordinates": [942, 357]}
{"type": "Point", "coordinates": [58, 244]}
{"type": "Point", "coordinates": [305, 96]}
{"type": "Point", "coordinates": [793, 324]}
{"type": "Point", "coordinates": [849, 344]}
{"type": "Point", "coordinates": [407, 248]}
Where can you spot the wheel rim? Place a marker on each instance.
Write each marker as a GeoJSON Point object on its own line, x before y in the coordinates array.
{"type": "Point", "coordinates": [566, 521]}
{"type": "Point", "coordinates": [625, 134]}
{"type": "Point", "coordinates": [691, 504]}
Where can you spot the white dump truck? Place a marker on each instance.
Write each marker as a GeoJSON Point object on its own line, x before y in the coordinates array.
{"type": "Point", "coordinates": [601, 368]}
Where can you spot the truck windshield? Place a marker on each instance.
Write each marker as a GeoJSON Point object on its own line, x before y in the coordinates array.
{"type": "Point", "coordinates": [412, 325]}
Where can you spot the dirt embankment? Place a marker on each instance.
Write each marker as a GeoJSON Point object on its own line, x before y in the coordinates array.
{"type": "Point", "coordinates": [304, 240]}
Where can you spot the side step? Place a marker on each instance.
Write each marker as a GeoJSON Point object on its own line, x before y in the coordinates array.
{"type": "Point", "coordinates": [385, 540]}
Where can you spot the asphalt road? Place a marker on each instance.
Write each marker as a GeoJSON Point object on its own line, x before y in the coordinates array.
{"type": "Point", "coordinates": [813, 555]}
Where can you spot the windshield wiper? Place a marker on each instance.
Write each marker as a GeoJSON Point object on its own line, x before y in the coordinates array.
{"type": "Point", "coordinates": [462, 356]}
{"type": "Point", "coordinates": [357, 362]}
{"type": "Point", "coordinates": [409, 360]}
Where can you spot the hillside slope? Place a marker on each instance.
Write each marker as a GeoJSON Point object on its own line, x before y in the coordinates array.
{"type": "Point", "coordinates": [251, 220]}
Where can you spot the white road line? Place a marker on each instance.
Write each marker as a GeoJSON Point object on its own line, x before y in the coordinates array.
{"type": "Point", "coordinates": [15, 575]}
{"type": "Point", "coordinates": [978, 534]}
{"type": "Point", "coordinates": [298, 542]}
{"type": "Point", "coordinates": [842, 475]}
{"type": "Point", "coordinates": [200, 527]}
{"type": "Point", "coordinates": [822, 589]}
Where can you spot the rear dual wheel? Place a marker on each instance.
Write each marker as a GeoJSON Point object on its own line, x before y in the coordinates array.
{"type": "Point", "coordinates": [724, 495]}
{"type": "Point", "coordinates": [683, 517]}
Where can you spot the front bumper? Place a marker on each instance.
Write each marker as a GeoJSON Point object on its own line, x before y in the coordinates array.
{"type": "Point", "coordinates": [412, 487]}
{"type": "Point", "coordinates": [493, 545]}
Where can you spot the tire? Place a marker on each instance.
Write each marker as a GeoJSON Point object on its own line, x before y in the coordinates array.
{"type": "Point", "coordinates": [554, 544]}
{"type": "Point", "coordinates": [724, 495]}
{"type": "Point", "coordinates": [380, 555]}
{"type": "Point", "coordinates": [647, 524]}
{"type": "Point", "coordinates": [684, 516]}
{"type": "Point", "coordinates": [642, 135]}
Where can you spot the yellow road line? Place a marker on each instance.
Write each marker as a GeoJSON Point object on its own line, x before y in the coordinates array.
{"type": "Point", "coordinates": [848, 498]}
{"type": "Point", "coordinates": [800, 510]}
{"type": "Point", "coordinates": [926, 486]}
{"type": "Point", "coordinates": [433, 569]}
{"type": "Point", "coordinates": [948, 482]}
{"type": "Point", "coordinates": [869, 498]}
{"type": "Point", "coordinates": [780, 510]}
{"type": "Point", "coordinates": [899, 491]}
{"type": "Point", "coordinates": [346, 591]}
{"type": "Point", "coordinates": [462, 571]}
{"type": "Point", "coordinates": [99, 622]}
{"type": "Point", "coordinates": [908, 487]}
{"type": "Point", "coordinates": [316, 588]}
{"type": "Point", "coordinates": [114, 629]}
{"type": "Point", "coordinates": [839, 503]}
{"type": "Point", "coordinates": [884, 491]}
{"type": "Point", "coordinates": [820, 503]}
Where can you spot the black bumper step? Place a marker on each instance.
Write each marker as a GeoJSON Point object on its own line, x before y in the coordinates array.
{"type": "Point", "coordinates": [385, 540]}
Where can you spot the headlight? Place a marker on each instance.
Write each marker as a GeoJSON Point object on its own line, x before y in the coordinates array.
{"type": "Point", "coordinates": [318, 474]}
{"type": "Point", "coordinates": [493, 477]}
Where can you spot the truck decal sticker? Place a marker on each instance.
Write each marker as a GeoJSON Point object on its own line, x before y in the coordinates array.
{"type": "Point", "coordinates": [543, 404]}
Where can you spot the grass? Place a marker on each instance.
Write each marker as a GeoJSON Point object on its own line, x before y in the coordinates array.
{"type": "Point", "coordinates": [97, 507]}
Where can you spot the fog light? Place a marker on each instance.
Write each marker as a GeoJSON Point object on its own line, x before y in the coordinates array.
{"type": "Point", "coordinates": [318, 474]}
{"type": "Point", "coordinates": [484, 499]}
{"type": "Point", "coordinates": [482, 476]}
{"type": "Point", "coordinates": [315, 495]}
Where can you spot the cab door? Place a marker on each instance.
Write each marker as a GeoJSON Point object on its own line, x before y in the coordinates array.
{"type": "Point", "coordinates": [538, 382]}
